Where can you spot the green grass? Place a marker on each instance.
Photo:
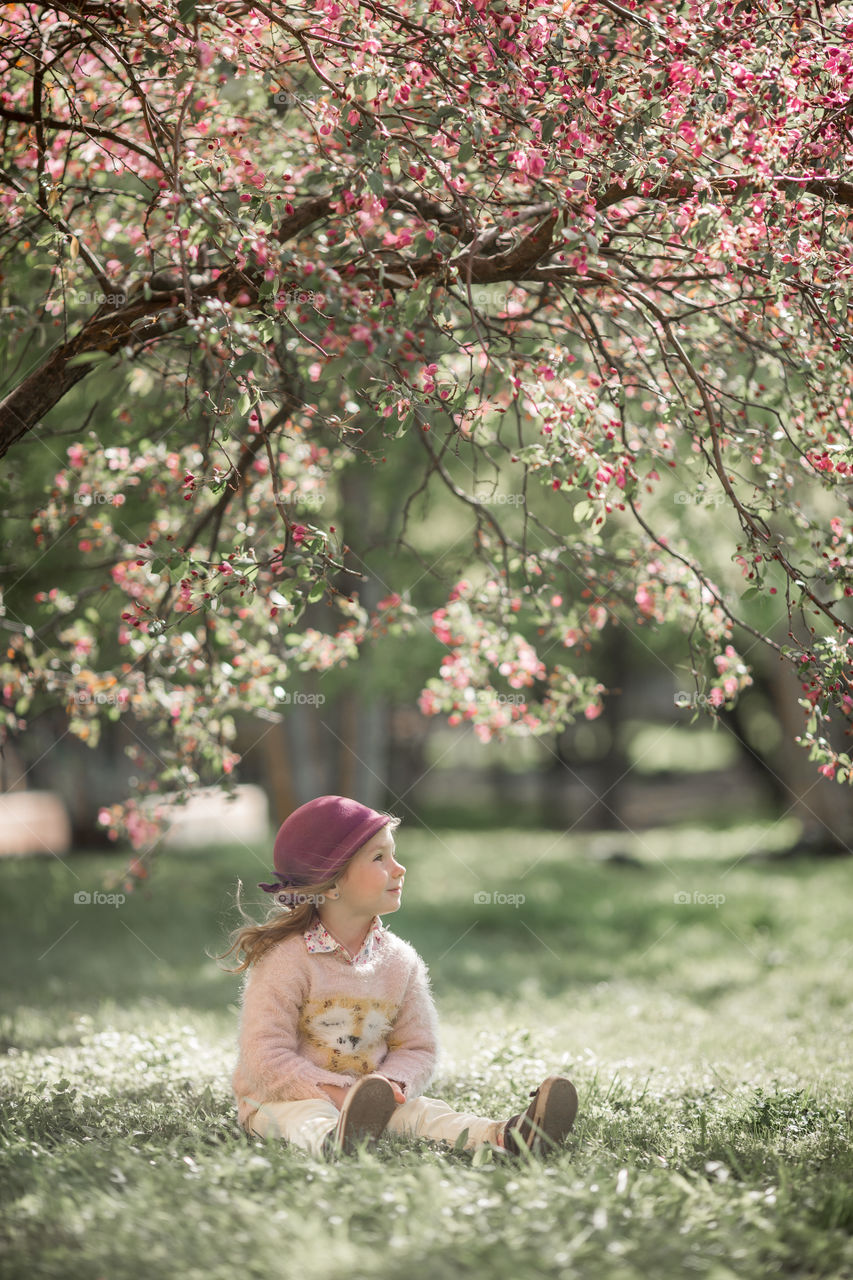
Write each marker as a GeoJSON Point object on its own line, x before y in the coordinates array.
{"type": "Point", "coordinates": [710, 1045]}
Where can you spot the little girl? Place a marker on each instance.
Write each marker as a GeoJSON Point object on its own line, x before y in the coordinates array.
{"type": "Point", "coordinates": [338, 1031]}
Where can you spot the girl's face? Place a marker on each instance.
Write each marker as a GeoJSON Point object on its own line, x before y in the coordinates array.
{"type": "Point", "coordinates": [372, 883]}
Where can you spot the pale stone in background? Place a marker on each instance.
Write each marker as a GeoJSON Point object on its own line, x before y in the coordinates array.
{"type": "Point", "coordinates": [33, 822]}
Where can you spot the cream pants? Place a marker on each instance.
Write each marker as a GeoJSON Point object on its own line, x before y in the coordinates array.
{"type": "Point", "coordinates": [307, 1122]}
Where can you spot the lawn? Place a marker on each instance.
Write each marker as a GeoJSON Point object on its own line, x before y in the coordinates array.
{"type": "Point", "coordinates": [698, 997]}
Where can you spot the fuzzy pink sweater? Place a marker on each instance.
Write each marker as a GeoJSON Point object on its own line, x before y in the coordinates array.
{"type": "Point", "coordinates": [310, 1018]}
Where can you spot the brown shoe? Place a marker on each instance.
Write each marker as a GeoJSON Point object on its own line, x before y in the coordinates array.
{"type": "Point", "coordinates": [367, 1108]}
{"type": "Point", "coordinates": [547, 1120]}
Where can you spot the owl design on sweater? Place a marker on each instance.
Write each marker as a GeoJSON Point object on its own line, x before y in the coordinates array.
{"type": "Point", "coordinates": [350, 1032]}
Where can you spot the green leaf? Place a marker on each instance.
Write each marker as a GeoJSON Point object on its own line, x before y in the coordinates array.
{"type": "Point", "coordinates": [459, 1144]}
{"type": "Point", "coordinates": [376, 183]}
{"type": "Point", "coordinates": [179, 569]}
{"type": "Point", "coordinates": [89, 357]}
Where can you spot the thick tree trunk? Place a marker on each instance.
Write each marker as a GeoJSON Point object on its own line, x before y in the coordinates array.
{"type": "Point", "coordinates": [310, 750]}
{"type": "Point", "coordinates": [824, 807]}
{"type": "Point", "coordinates": [278, 772]}
{"type": "Point", "coordinates": [106, 331]}
{"type": "Point", "coordinates": [364, 714]}
{"type": "Point", "coordinates": [600, 807]}
{"type": "Point", "coordinates": [791, 780]}
{"type": "Point", "coordinates": [130, 327]}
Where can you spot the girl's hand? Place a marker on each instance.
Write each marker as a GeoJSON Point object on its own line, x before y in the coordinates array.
{"type": "Point", "coordinates": [399, 1096]}
{"type": "Point", "coordinates": [337, 1092]}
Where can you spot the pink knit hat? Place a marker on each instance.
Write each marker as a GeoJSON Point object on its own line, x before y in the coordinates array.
{"type": "Point", "coordinates": [318, 838]}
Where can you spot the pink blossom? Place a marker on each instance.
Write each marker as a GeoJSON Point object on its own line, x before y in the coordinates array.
{"type": "Point", "coordinates": [645, 600]}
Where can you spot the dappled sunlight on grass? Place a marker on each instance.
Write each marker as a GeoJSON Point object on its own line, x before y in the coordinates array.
{"type": "Point", "coordinates": [707, 1034]}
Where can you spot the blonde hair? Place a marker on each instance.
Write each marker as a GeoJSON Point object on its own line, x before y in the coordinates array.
{"type": "Point", "coordinates": [255, 939]}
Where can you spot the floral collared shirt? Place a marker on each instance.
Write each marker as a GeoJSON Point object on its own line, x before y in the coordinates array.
{"type": "Point", "coordinates": [318, 938]}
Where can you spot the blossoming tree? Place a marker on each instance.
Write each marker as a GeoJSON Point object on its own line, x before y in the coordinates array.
{"type": "Point", "coordinates": [585, 265]}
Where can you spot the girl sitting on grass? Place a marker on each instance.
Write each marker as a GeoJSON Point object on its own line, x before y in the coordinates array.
{"type": "Point", "coordinates": [338, 1030]}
